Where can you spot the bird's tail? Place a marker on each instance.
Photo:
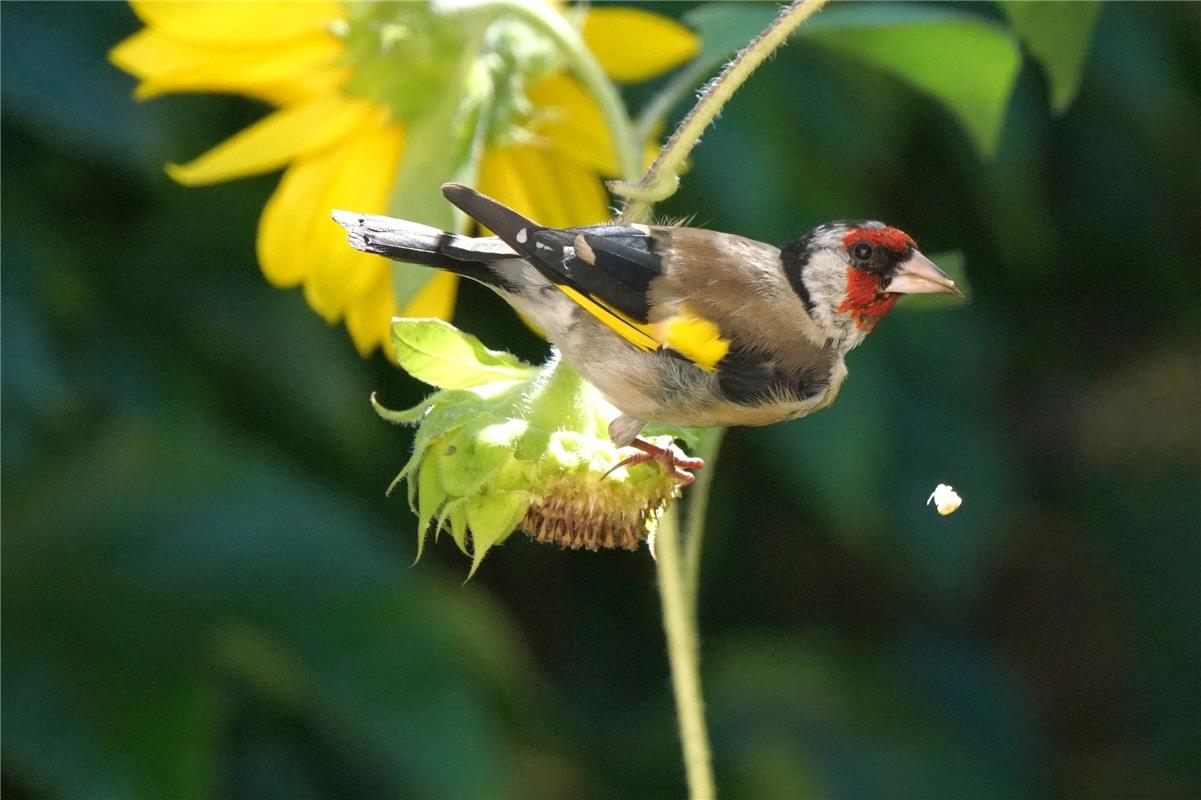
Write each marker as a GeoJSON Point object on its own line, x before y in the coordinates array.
{"type": "Point", "coordinates": [415, 243]}
{"type": "Point", "coordinates": [394, 238]}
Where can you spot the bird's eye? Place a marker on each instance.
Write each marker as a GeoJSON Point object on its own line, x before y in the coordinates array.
{"type": "Point", "coordinates": [862, 251]}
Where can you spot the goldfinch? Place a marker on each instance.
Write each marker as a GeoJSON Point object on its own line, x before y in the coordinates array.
{"type": "Point", "coordinates": [675, 325]}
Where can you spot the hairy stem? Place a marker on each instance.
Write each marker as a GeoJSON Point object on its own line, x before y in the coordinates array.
{"type": "Point", "coordinates": [679, 562]}
{"type": "Point", "coordinates": [679, 623]}
{"type": "Point", "coordinates": [698, 504]}
{"type": "Point", "coordinates": [682, 84]}
{"type": "Point", "coordinates": [679, 571]}
{"type": "Point", "coordinates": [663, 177]}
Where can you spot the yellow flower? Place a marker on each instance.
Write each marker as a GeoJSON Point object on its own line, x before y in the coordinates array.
{"type": "Point", "coordinates": [348, 81]}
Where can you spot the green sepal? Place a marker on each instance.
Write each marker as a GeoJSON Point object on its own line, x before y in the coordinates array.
{"type": "Point", "coordinates": [491, 518]}
{"type": "Point", "coordinates": [431, 496]}
{"type": "Point", "coordinates": [435, 352]}
{"type": "Point", "coordinates": [448, 411]}
{"type": "Point", "coordinates": [503, 437]}
{"type": "Point", "coordinates": [456, 514]}
{"type": "Point", "coordinates": [477, 453]}
{"type": "Point", "coordinates": [406, 416]}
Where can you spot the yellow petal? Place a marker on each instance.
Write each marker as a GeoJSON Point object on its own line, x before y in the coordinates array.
{"type": "Point", "coordinates": [277, 72]}
{"type": "Point", "coordinates": [499, 178]}
{"type": "Point", "coordinates": [326, 286]}
{"type": "Point", "coordinates": [229, 23]}
{"type": "Point", "coordinates": [148, 53]}
{"type": "Point", "coordinates": [361, 182]}
{"type": "Point", "coordinates": [369, 316]}
{"type": "Point", "coordinates": [436, 298]}
{"type": "Point", "coordinates": [297, 69]}
{"type": "Point", "coordinates": [549, 189]}
{"type": "Point", "coordinates": [634, 45]}
{"type": "Point", "coordinates": [322, 80]}
{"type": "Point", "coordinates": [289, 217]}
{"type": "Point", "coordinates": [165, 64]}
{"type": "Point", "coordinates": [564, 193]}
{"type": "Point", "coordinates": [276, 140]}
{"type": "Point", "coordinates": [572, 123]}
{"type": "Point", "coordinates": [298, 242]}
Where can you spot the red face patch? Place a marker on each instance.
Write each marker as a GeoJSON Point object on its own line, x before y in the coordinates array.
{"type": "Point", "coordinates": [891, 238]}
{"type": "Point", "coordinates": [864, 301]}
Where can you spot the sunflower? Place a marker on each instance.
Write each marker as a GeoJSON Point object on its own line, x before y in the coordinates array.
{"type": "Point", "coordinates": [376, 104]}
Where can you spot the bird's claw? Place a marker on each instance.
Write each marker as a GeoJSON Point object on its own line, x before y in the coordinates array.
{"type": "Point", "coordinates": [673, 460]}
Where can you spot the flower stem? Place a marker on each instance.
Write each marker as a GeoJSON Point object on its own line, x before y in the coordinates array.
{"type": "Point", "coordinates": [678, 564]}
{"type": "Point", "coordinates": [547, 18]}
{"type": "Point", "coordinates": [663, 177]}
{"type": "Point", "coordinates": [698, 504]}
{"type": "Point", "coordinates": [682, 84]}
{"type": "Point", "coordinates": [555, 398]}
{"type": "Point", "coordinates": [679, 623]}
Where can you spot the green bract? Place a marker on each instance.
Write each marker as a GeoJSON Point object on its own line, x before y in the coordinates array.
{"type": "Point", "coordinates": [411, 55]}
{"type": "Point", "coordinates": [504, 445]}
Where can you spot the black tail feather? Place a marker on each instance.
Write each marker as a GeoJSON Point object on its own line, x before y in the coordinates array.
{"type": "Point", "coordinates": [506, 223]}
{"type": "Point", "coordinates": [394, 238]}
{"type": "Point", "coordinates": [414, 243]}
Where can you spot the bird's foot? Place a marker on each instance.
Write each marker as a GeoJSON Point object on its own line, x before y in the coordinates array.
{"type": "Point", "coordinates": [673, 460]}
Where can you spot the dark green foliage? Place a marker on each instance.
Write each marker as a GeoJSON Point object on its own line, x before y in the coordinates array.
{"type": "Point", "coordinates": [205, 592]}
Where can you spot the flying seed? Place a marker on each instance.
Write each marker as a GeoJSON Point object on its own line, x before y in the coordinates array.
{"type": "Point", "coordinates": [945, 499]}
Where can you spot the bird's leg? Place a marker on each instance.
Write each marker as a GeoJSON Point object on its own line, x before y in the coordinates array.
{"type": "Point", "coordinates": [671, 458]}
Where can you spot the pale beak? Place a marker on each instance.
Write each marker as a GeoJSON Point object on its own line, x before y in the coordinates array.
{"type": "Point", "coordinates": [918, 275]}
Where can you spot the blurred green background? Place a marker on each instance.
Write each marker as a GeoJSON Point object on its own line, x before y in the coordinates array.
{"type": "Point", "coordinates": [206, 593]}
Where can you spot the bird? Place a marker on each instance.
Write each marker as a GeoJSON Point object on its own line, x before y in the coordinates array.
{"type": "Point", "coordinates": [678, 325]}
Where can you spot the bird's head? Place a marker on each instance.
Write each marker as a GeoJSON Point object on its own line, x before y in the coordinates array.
{"type": "Point", "coordinates": [850, 274]}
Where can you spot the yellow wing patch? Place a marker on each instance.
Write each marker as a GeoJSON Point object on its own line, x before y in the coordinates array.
{"type": "Point", "coordinates": [636, 333]}
{"type": "Point", "coordinates": [688, 333]}
{"type": "Point", "coordinates": [696, 338]}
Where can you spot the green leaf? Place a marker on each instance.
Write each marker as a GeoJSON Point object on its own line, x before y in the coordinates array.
{"type": "Point", "coordinates": [1057, 36]}
{"type": "Point", "coordinates": [725, 28]}
{"type": "Point", "coordinates": [124, 675]}
{"type": "Point", "coordinates": [437, 353]}
{"type": "Point", "coordinates": [891, 725]}
{"type": "Point", "coordinates": [967, 63]}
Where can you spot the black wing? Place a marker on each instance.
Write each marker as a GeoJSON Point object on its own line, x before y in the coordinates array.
{"type": "Point", "coordinates": [611, 266]}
